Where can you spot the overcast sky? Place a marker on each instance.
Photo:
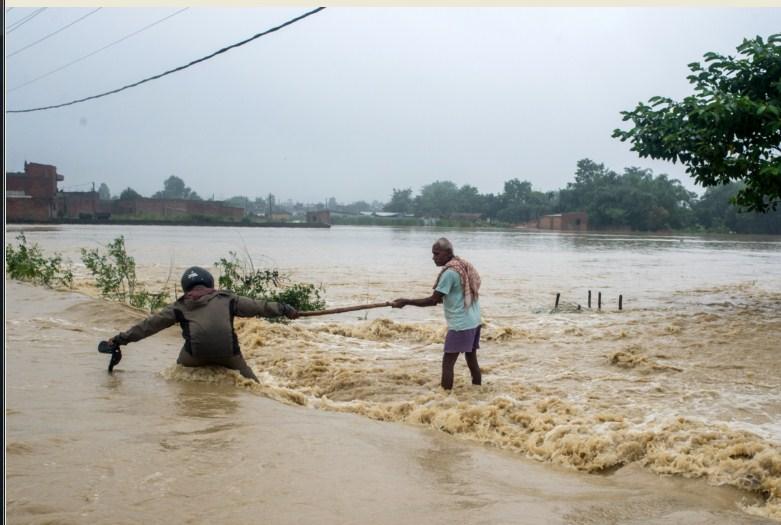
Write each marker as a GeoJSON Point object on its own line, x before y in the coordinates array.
{"type": "Point", "coordinates": [350, 102]}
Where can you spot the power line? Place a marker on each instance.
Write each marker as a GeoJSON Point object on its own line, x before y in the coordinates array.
{"type": "Point", "coordinates": [63, 28]}
{"type": "Point", "coordinates": [19, 23]}
{"type": "Point", "coordinates": [175, 70]}
{"type": "Point", "coordinates": [97, 50]}
{"type": "Point", "coordinates": [9, 9]}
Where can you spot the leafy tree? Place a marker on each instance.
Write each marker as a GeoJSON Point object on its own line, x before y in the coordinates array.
{"type": "Point", "coordinates": [104, 193]}
{"type": "Point", "coordinates": [468, 200]}
{"type": "Point", "coordinates": [520, 203]}
{"type": "Point", "coordinates": [175, 188]}
{"type": "Point", "coordinates": [636, 199]}
{"type": "Point", "coordinates": [401, 201]}
{"type": "Point", "coordinates": [728, 130]}
{"type": "Point", "coordinates": [437, 199]}
{"type": "Point", "coordinates": [716, 212]}
{"type": "Point", "coordinates": [129, 194]}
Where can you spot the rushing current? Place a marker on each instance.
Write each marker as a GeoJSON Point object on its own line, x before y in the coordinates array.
{"type": "Point", "coordinates": [683, 382]}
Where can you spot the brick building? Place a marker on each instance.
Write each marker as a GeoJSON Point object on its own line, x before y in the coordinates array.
{"type": "Point", "coordinates": [175, 208]}
{"type": "Point", "coordinates": [31, 195]}
{"type": "Point", "coordinates": [574, 221]}
{"type": "Point", "coordinates": [320, 216]}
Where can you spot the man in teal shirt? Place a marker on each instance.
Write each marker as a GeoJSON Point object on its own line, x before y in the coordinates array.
{"type": "Point", "coordinates": [457, 287]}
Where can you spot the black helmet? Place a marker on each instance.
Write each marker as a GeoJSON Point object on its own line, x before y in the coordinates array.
{"type": "Point", "coordinates": [195, 275]}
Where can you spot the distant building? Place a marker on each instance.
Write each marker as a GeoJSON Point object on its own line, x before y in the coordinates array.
{"type": "Point", "coordinates": [280, 216]}
{"type": "Point", "coordinates": [31, 195]}
{"type": "Point", "coordinates": [82, 205]}
{"type": "Point", "coordinates": [472, 217]}
{"type": "Point", "coordinates": [320, 216]}
{"type": "Point", "coordinates": [573, 221]}
{"type": "Point", "coordinates": [176, 208]}
{"type": "Point", "coordinates": [383, 214]}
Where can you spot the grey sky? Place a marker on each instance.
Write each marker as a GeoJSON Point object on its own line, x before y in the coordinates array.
{"type": "Point", "coordinates": [352, 102]}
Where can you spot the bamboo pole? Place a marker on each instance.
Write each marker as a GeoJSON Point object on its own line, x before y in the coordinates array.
{"type": "Point", "coordinates": [343, 309]}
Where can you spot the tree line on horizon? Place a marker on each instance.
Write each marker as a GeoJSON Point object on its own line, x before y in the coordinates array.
{"type": "Point", "coordinates": [635, 199]}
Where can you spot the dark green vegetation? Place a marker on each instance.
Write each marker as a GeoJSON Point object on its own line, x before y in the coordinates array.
{"type": "Point", "coordinates": [115, 276]}
{"type": "Point", "coordinates": [175, 188]}
{"type": "Point", "coordinates": [635, 199]}
{"type": "Point", "coordinates": [244, 279]}
{"type": "Point", "coordinates": [27, 263]}
{"type": "Point", "coordinates": [114, 271]}
{"type": "Point", "coordinates": [728, 130]}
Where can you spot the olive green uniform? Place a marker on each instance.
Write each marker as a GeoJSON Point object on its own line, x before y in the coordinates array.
{"type": "Point", "coordinates": [207, 327]}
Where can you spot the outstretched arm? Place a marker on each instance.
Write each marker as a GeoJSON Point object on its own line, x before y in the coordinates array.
{"type": "Point", "coordinates": [246, 307]}
{"type": "Point", "coordinates": [434, 300]}
{"type": "Point", "coordinates": [149, 326]}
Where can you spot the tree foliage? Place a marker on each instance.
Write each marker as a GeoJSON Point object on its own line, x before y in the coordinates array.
{"type": "Point", "coordinates": [28, 263]}
{"type": "Point", "coordinates": [242, 278]}
{"type": "Point", "coordinates": [115, 276]}
{"type": "Point", "coordinates": [104, 193]}
{"type": "Point", "coordinates": [175, 188]}
{"type": "Point", "coordinates": [401, 201]}
{"type": "Point", "coordinates": [728, 130]}
{"type": "Point", "coordinates": [636, 198]}
{"type": "Point", "coordinates": [129, 194]}
{"type": "Point", "coordinates": [715, 212]}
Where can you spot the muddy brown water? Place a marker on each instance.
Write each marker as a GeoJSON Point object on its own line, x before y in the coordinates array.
{"type": "Point", "coordinates": [665, 412]}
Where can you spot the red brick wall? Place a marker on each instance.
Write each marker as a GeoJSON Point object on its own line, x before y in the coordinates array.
{"type": "Point", "coordinates": [73, 204]}
{"type": "Point", "coordinates": [41, 186]}
{"type": "Point", "coordinates": [27, 209]}
{"type": "Point", "coordinates": [576, 221]}
{"type": "Point", "coordinates": [167, 208]}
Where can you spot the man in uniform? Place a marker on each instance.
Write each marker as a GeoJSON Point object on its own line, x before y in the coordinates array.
{"type": "Point", "coordinates": [205, 316]}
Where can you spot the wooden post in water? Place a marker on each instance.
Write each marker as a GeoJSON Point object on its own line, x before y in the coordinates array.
{"type": "Point", "coordinates": [620, 301]}
{"type": "Point", "coordinates": [599, 301]}
{"type": "Point", "coordinates": [589, 298]}
{"type": "Point", "coordinates": [557, 301]}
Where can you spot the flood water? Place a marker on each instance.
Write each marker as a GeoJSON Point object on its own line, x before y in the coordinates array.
{"type": "Point", "coordinates": [682, 384]}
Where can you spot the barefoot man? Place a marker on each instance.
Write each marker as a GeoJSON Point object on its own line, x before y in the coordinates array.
{"type": "Point", "coordinates": [457, 288]}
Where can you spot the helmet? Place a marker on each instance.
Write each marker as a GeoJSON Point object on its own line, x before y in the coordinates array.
{"type": "Point", "coordinates": [195, 275]}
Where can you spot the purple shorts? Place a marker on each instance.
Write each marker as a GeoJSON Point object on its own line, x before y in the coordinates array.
{"type": "Point", "coordinates": [462, 340]}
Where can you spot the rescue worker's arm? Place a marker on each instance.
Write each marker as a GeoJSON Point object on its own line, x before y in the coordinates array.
{"type": "Point", "coordinates": [246, 307]}
{"type": "Point", "coordinates": [149, 326]}
{"type": "Point", "coordinates": [434, 300]}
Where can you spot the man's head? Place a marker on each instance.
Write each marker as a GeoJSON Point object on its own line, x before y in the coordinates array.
{"type": "Point", "coordinates": [195, 275]}
{"type": "Point", "coordinates": [442, 251]}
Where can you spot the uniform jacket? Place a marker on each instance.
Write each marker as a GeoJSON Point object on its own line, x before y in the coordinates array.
{"type": "Point", "coordinates": [206, 319]}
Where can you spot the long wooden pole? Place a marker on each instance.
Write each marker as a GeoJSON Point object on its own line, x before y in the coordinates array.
{"type": "Point", "coordinates": [343, 309]}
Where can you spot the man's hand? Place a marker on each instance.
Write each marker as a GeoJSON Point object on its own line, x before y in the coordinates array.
{"type": "Point", "coordinates": [399, 303]}
{"type": "Point", "coordinates": [289, 312]}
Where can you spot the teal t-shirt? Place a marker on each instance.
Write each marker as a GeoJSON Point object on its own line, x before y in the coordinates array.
{"type": "Point", "coordinates": [457, 317]}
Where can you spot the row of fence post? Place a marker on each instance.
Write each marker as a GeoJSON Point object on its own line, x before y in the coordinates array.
{"type": "Point", "coordinates": [599, 301]}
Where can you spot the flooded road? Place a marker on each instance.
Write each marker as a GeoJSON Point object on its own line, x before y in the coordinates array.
{"type": "Point", "coordinates": [684, 381]}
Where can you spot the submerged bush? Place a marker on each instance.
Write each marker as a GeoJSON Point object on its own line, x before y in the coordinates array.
{"type": "Point", "coordinates": [244, 279]}
{"type": "Point", "coordinates": [115, 276]}
{"type": "Point", "coordinates": [27, 263]}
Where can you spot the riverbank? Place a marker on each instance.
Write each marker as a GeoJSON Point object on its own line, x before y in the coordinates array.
{"type": "Point", "coordinates": [239, 224]}
{"type": "Point", "coordinates": [153, 442]}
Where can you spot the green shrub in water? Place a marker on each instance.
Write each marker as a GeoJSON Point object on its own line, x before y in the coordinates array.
{"type": "Point", "coordinates": [27, 263]}
{"type": "Point", "coordinates": [243, 279]}
{"type": "Point", "coordinates": [115, 276]}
